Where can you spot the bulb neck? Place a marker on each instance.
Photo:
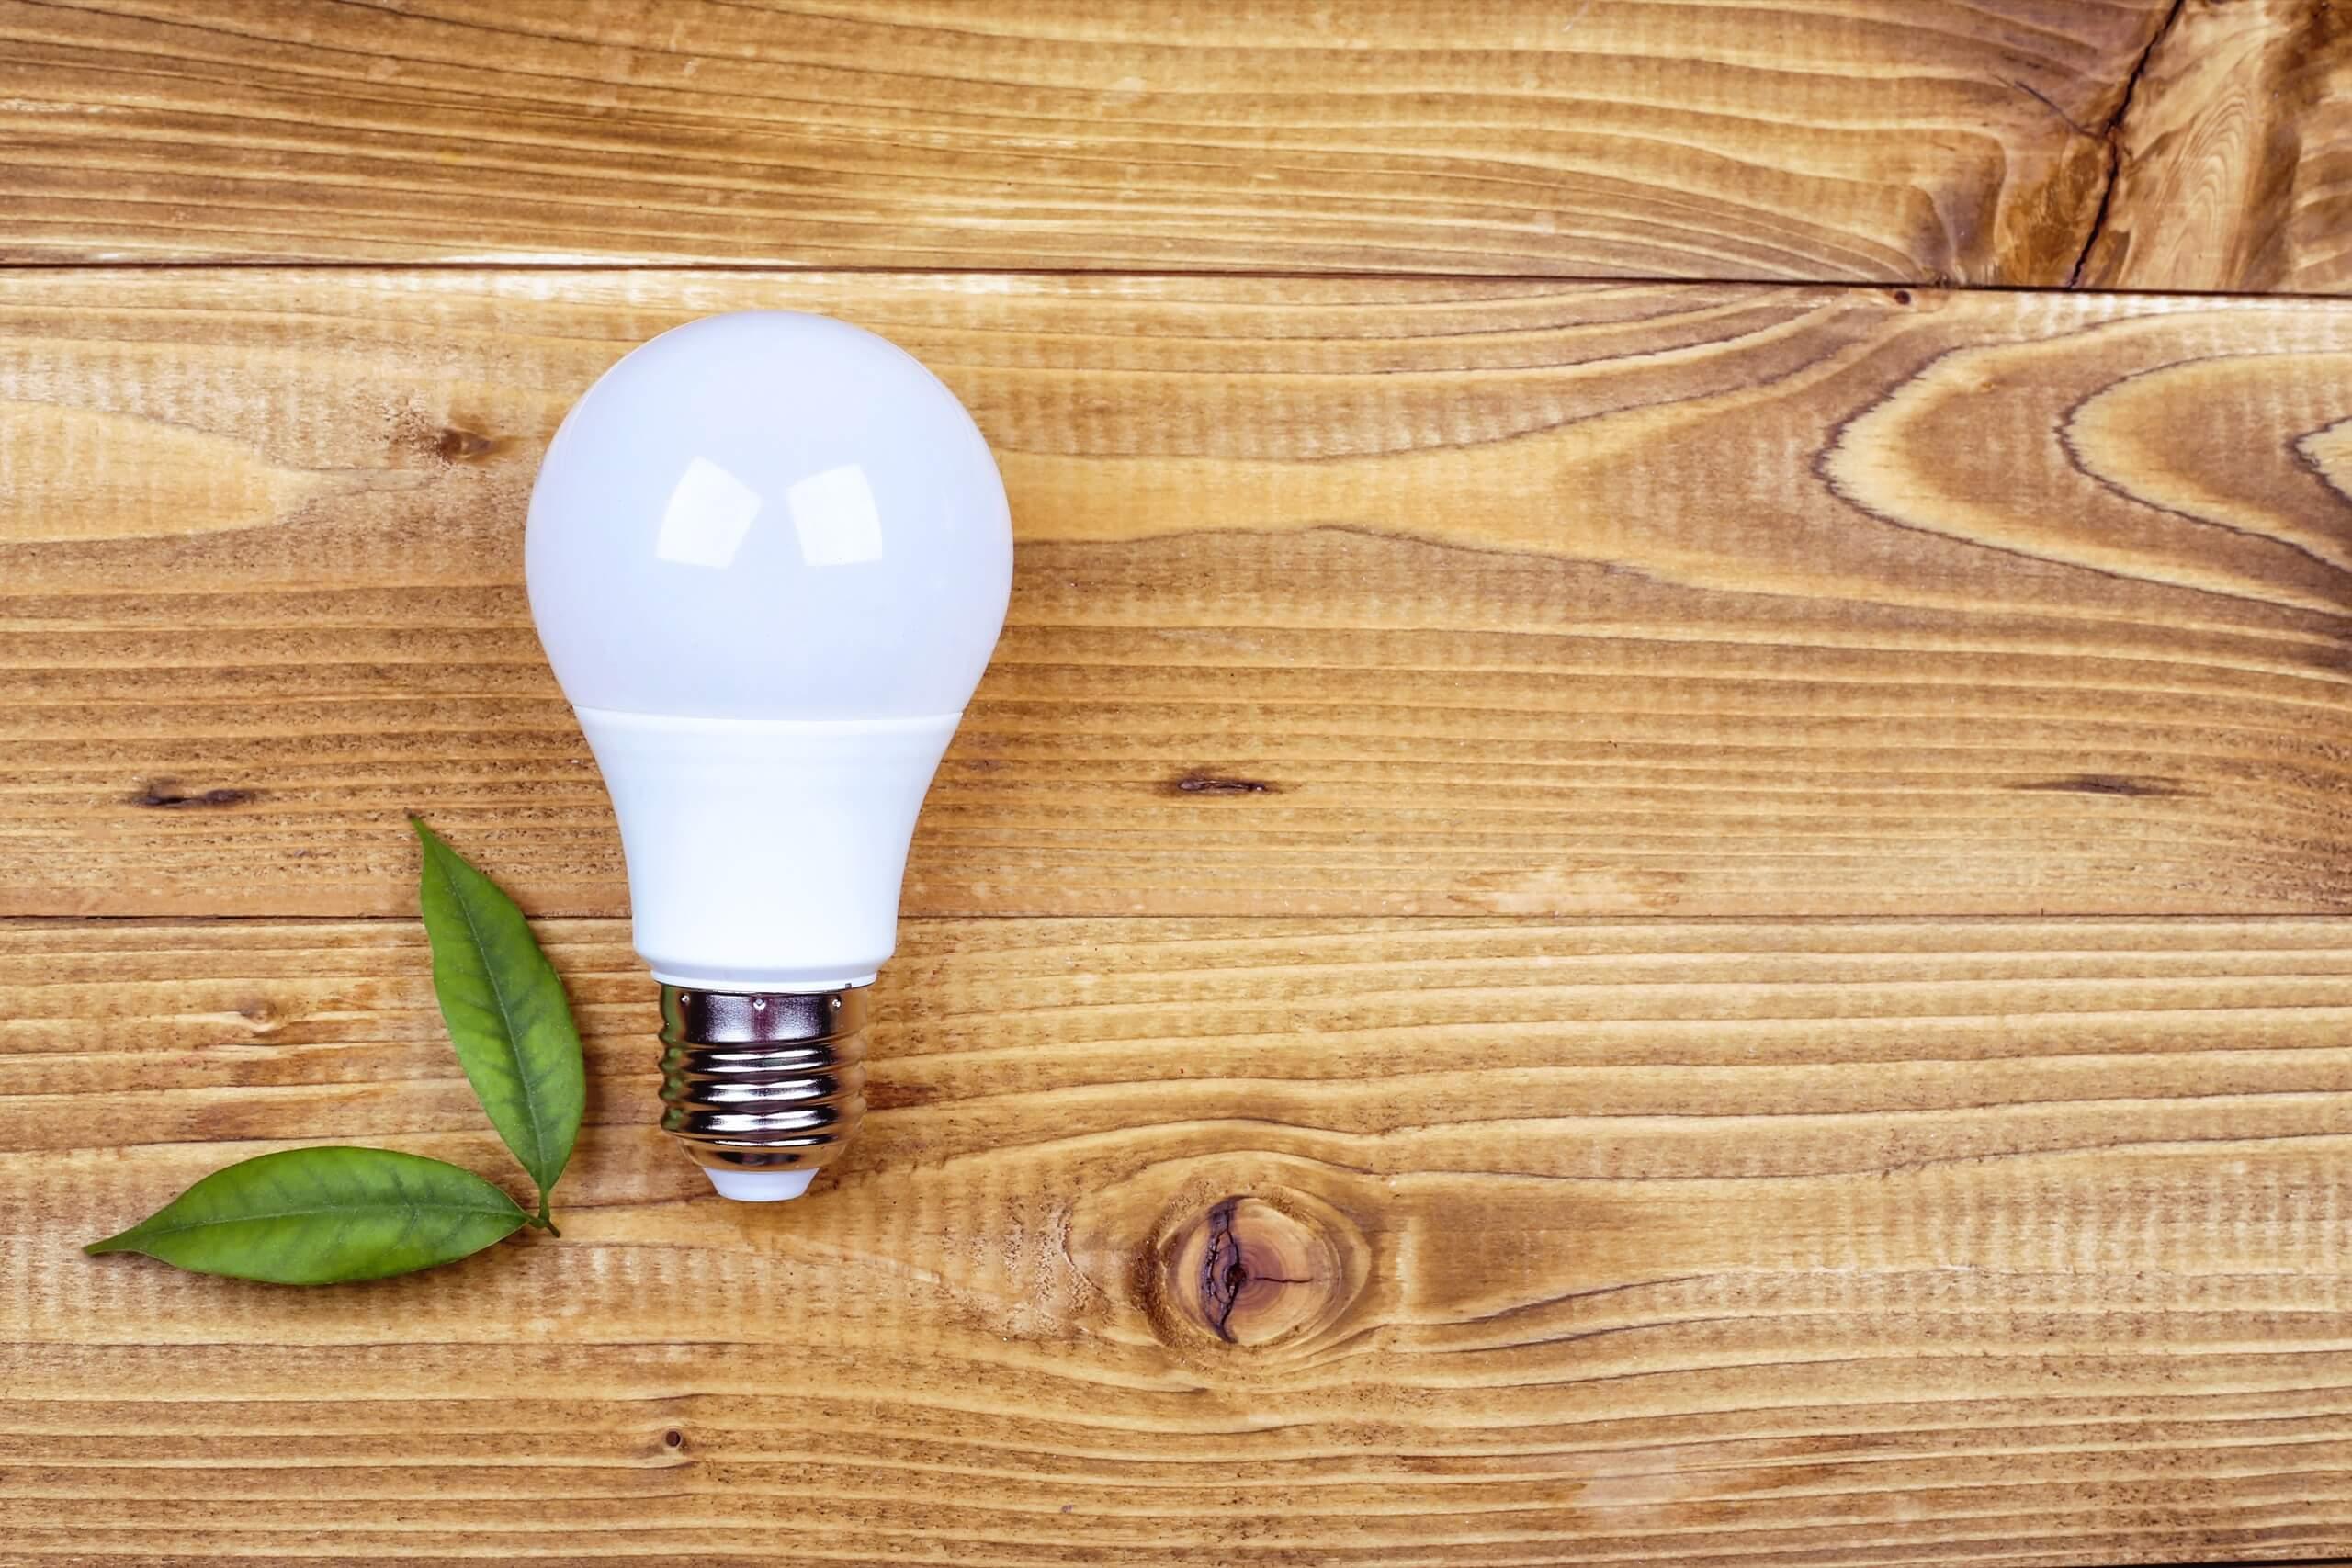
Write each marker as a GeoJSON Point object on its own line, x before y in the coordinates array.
{"type": "Point", "coordinates": [762, 1088]}
{"type": "Point", "coordinates": [765, 855]}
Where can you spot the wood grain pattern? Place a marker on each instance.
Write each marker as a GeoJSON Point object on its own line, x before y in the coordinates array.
{"type": "Point", "coordinates": [1890, 141]}
{"type": "Point", "coordinates": [1839, 1242]}
{"type": "Point", "coordinates": [1740, 1226]}
{"type": "Point", "coordinates": [1405, 597]}
{"type": "Point", "coordinates": [2234, 160]}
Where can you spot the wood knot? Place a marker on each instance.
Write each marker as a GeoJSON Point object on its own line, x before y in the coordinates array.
{"type": "Point", "coordinates": [455, 445]}
{"type": "Point", "coordinates": [413, 429]}
{"type": "Point", "coordinates": [1258, 1272]}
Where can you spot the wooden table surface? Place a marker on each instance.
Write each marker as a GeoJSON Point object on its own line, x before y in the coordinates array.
{"type": "Point", "coordinates": [1658, 867]}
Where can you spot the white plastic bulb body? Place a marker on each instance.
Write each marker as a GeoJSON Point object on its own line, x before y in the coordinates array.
{"type": "Point", "coordinates": [769, 555]}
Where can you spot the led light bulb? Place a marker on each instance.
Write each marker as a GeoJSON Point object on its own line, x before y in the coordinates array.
{"type": "Point", "coordinates": [768, 556]}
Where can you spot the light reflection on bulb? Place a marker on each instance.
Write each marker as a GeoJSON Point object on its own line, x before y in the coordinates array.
{"type": "Point", "coordinates": [834, 514]}
{"type": "Point", "coordinates": [707, 517]}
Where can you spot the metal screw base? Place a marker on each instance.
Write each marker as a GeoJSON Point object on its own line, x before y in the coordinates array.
{"type": "Point", "coordinates": [763, 1081]}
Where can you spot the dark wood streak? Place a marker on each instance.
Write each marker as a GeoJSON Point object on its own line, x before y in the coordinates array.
{"type": "Point", "coordinates": [164, 794]}
{"type": "Point", "coordinates": [2107, 784]}
{"type": "Point", "coordinates": [1202, 782]}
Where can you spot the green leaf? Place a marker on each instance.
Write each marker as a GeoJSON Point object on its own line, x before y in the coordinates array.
{"type": "Point", "coordinates": [506, 1013]}
{"type": "Point", "coordinates": [321, 1216]}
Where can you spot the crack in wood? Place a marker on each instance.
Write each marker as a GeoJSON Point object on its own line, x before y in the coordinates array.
{"type": "Point", "coordinates": [1222, 1271]}
{"type": "Point", "coordinates": [2112, 134]}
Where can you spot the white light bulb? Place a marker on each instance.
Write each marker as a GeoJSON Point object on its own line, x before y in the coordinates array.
{"type": "Point", "coordinates": [768, 555]}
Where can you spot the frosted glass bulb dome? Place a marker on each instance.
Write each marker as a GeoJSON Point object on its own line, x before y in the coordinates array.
{"type": "Point", "coordinates": [769, 515]}
{"type": "Point", "coordinates": [768, 556]}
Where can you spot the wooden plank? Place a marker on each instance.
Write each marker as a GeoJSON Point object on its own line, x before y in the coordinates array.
{"type": "Point", "coordinates": [2234, 160]}
{"type": "Point", "coordinates": [1867, 1242]}
{"type": "Point", "coordinates": [1843, 140]}
{"type": "Point", "coordinates": [1403, 597]}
